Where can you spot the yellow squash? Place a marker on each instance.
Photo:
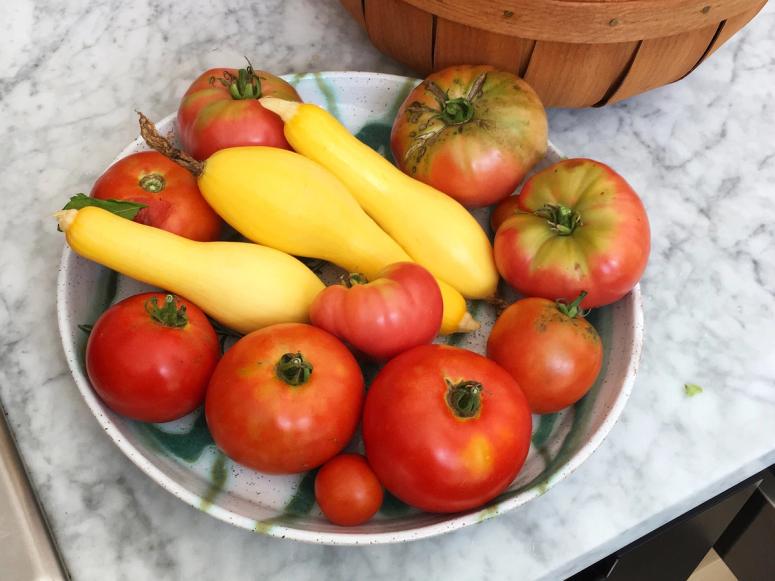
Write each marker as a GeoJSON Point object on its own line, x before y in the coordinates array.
{"type": "Point", "coordinates": [283, 200]}
{"type": "Point", "coordinates": [433, 228]}
{"type": "Point", "coordinates": [243, 285]}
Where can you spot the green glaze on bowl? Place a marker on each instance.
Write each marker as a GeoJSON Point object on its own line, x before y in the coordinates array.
{"type": "Point", "coordinates": [182, 457]}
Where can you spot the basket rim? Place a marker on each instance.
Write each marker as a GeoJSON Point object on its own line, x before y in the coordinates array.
{"type": "Point", "coordinates": [586, 21]}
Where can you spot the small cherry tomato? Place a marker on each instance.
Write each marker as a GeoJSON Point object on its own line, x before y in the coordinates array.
{"type": "Point", "coordinates": [347, 490]}
{"type": "Point", "coordinates": [400, 309]}
{"type": "Point", "coordinates": [220, 109]}
{"type": "Point", "coordinates": [550, 349]}
{"type": "Point", "coordinates": [150, 357]}
{"type": "Point", "coordinates": [285, 399]}
{"type": "Point", "coordinates": [445, 429]}
{"type": "Point", "coordinates": [172, 198]}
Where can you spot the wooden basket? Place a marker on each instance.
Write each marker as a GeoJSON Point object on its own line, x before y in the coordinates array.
{"type": "Point", "coordinates": [575, 53]}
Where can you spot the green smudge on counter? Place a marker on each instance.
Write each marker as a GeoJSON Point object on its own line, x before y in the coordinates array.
{"type": "Point", "coordinates": [692, 389]}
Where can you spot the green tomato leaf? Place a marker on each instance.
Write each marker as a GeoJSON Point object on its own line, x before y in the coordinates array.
{"type": "Point", "coordinates": [121, 208]}
{"type": "Point", "coordinates": [692, 389]}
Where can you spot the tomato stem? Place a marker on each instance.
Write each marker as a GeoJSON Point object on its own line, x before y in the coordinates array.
{"type": "Point", "coordinates": [293, 369]}
{"type": "Point", "coordinates": [152, 183]}
{"type": "Point", "coordinates": [464, 398]}
{"type": "Point", "coordinates": [354, 279]}
{"type": "Point", "coordinates": [245, 85]}
{"type": "Point", "coordinates": [155, 141]}
{"type": "Point", "coordinates": [562, 219]}
{"type": "Point", "coordinates": [169, 315]}
{"type": "Point", "coordinates": [573, 309]}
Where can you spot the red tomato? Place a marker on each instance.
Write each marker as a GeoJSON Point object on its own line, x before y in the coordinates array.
{"type": "Point", "coordinates": [550, 349]}
{"type": "Point", "coordinates": [285, 399]}
{"type": "Point", "coordinates": [150, 357]}
{"type": "Point", "coordinates": [445, 429]}
{"type": "Point", "coordinates": [472, 132]}
{"type": "Point", "coordinates": [581, 227]}
{"type": "Point", "coordinates": [220, 109]}
{"type": "Point", "coordinates": [347, 490]}
{"type": "Point", "coordinates": [400, 309]}
{"type": "Point", "coordinates": [170, 193]}
{"type": "Point", "coordinates": [503, 211]}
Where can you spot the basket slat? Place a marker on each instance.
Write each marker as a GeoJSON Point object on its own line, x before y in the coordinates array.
{"type": "Point", "coordinates": [732, 25]}
{"type": "Point", "coordinates": [553, 71]}
{"type": "Point", "coordinates": [355, 8]}
{"type": "Point", "coordinates": [663, 60]}
{"type": "Point", "coordinates": [402, 31]}
{"type": "Point", "coordinates": [458, 44]}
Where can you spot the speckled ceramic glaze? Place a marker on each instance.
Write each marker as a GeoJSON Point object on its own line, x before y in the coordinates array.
{"type": "Point", "coordinates": [181, 455]}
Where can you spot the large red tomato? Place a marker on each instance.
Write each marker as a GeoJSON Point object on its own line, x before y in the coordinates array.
{"type": "Point", "coordinates": [550, 349]}
{"type": "Point", "coordinates": [172, 198]}
{"type": "Point", "coordinates": [472, 132]}
{"type": "Point", "coordinates": [150, 357]}
{"type": "Point", "coordinates": [445, 429]}
{"type": "Point", "coordinates": [578, 227]}
{"type": "Point", "coordinates": [285, 398]}
{"type": "Point", "coordinates": [220, 109]}
{"type": "Point", "coordinates": [398, 310]}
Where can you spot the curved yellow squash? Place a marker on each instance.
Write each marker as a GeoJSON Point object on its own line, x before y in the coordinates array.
{"type": "Point", "coordinates": [244, 286]}
{"type": "Point", "coordinates": [434, 229]}
{"type": "Point", "coordinates": [283, 200]}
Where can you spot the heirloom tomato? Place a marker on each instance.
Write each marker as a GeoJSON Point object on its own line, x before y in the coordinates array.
{"type": "Point", "coordinates": [445, 429]}
{"type": "Point", "coordinates": [169, 192]}
{"type": "Point", "coordinates": [550, 349]}
{"type": "Point", "coordinates": [347, 490]}
{"type": "Point", "coordinates": [398, 310]}
{"type": "Point", "coordinates": [220, 109]}
{"type": "Point", "coordinates": [285, 398]}
{"type": "Point", "coordinates": [578, 226]}
{"type": "Point", "coordinates": [472, 132]}
{"type": "Point", "coordinates": [150, 357]}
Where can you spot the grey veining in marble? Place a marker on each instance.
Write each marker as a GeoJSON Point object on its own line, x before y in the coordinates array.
{"type": "Point", "coordinates": [701, 153]}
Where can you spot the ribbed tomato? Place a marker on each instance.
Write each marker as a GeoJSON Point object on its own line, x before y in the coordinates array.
{"type": "Point", "coordinates": [578, 226]}
{"type": "Point", "coordinates": [445, 429]}
{"type": "Point", "coordinates": [220, 109]}
{"type": "Point", "coordinates": [399, 309]}
{"type": "Point", "coordinates": [472, 132]}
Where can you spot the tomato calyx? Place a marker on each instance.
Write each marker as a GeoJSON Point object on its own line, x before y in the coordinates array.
{"type": "Point", "coordinates": [245, 85]}
{"type": "Point", "coordinates": [293, 369]}
{"type": "Point", "coordinates": [562, 219]}
{"type": "Point", "coordinates": [573, 309]}
{"type": "Point", "coordinates": [451, 112]}
{"type": "Point", "coordinates": [464, 398]}
{"type": "Point", "coordinates": [169, 314]}
{"type": "Point", "coordinates": [354, 279]}
{"type": "Point", "coordinates": [153, 183]}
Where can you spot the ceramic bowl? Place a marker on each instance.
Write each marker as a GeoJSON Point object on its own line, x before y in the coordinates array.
{"type": "Point", "coordinates": [183, 459]}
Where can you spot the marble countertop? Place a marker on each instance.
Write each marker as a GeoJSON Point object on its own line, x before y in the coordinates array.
{"type": "Point", "coordinates": [700, 152]}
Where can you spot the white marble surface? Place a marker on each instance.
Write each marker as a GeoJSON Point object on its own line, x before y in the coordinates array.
{"type": "Point", "coordinates": [701, 153]}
